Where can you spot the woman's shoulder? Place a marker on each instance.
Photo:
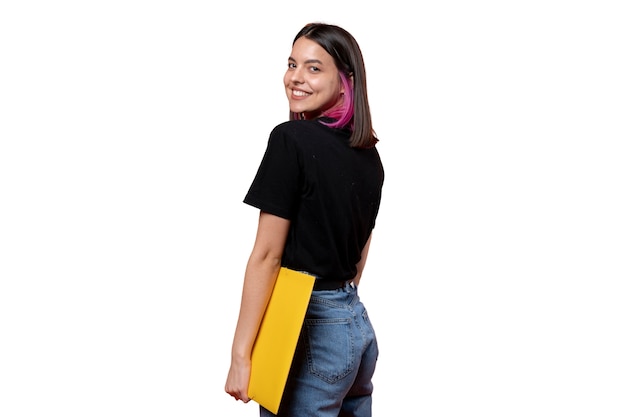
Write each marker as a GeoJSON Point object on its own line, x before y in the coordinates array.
{"type": "Point", "coordinates": [303, 129]}
{"type": "Point", "coordinates": [297, 126]}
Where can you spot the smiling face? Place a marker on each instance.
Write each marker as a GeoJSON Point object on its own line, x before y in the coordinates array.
{"type": "Point", "coordinates": [312, 81]}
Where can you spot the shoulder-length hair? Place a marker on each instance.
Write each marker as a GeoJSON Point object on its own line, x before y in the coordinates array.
{"type": "Point", "coordinates": [355, 111]}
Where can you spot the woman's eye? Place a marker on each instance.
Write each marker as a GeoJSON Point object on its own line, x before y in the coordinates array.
{"type": "Point", "coordinates": [291, 65]}
{"type": "Point", "coordinates": [314, 69]}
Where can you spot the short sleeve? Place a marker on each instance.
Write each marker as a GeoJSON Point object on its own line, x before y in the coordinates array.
{"type": "Point", "coordinates": [275, 186]}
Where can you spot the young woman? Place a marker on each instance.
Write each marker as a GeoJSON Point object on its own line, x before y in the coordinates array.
{"type": "Point", "coordinates": [318, 189]}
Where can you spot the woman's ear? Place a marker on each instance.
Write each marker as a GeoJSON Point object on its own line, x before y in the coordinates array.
{"type": "Point", "coordinates": [351, 80]}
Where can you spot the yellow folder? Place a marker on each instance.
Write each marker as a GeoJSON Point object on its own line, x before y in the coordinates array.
{"type": "Point", "coordinates": [276, 340]}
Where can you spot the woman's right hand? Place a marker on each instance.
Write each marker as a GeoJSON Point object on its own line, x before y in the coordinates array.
{"type": "Point", "coordinates": [238, 379]}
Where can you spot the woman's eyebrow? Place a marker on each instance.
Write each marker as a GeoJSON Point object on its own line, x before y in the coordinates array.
{"type": "Point", "coordinates": [308, 61]}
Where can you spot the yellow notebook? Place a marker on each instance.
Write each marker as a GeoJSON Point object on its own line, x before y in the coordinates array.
{"type": "Point", "coordinates": [277, 338]}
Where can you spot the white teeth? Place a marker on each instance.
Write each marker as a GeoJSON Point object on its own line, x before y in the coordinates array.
{"type": "Point", "coordinates": [299, 93]}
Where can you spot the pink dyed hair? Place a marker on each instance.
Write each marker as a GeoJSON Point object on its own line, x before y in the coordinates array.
{"type": "Point", "coordinates": [343, 115]}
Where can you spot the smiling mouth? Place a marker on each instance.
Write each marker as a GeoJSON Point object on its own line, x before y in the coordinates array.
{"type": "Point", "coordinates": [299, 93]}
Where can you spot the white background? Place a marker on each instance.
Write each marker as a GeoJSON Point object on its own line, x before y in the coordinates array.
{"type": "Point", "coordinates": [131, 130]}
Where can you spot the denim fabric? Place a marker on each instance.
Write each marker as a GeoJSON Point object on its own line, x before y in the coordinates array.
{"type": "Point", "coordinates": [331, 375]}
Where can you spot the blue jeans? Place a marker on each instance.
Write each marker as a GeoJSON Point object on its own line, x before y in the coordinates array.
{"type": "Point", "coordinates": [331, 374]}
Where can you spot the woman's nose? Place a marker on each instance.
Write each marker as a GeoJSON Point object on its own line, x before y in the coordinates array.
{"type": "Point", "coordinates": [296, 76]}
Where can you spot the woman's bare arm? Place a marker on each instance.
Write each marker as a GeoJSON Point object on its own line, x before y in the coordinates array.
{"type": "Point", "coordinates": [261, 272]}
{"type": "Point", "coordinates": [361, 265]}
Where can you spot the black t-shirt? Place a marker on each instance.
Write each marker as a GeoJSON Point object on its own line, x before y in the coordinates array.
{"type": "Point", "coordinates": [329, 191]}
